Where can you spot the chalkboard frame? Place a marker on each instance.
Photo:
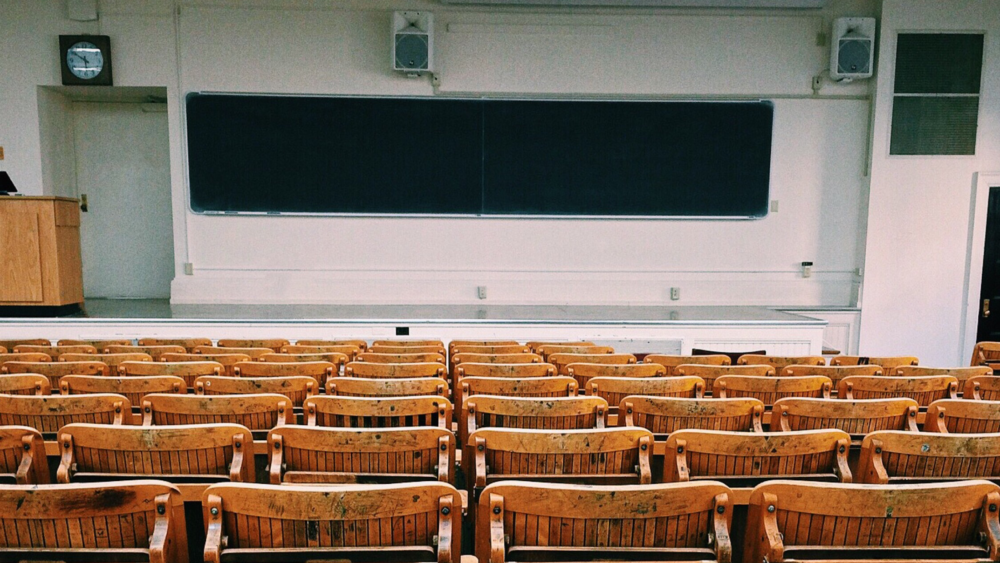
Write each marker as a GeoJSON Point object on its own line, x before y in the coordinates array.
{"type": "Point", "coordinates": [765, 208]}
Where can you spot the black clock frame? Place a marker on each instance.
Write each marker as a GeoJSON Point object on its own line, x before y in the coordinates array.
{"type": "Point", "coordinates": [102, 42]}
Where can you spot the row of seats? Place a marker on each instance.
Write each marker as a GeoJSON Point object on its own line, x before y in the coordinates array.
{"type": "Point", "coordinates": [515, 521]}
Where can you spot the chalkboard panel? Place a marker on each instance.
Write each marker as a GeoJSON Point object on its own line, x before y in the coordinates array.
{"type": "Point", "coordinates": [478, 157]}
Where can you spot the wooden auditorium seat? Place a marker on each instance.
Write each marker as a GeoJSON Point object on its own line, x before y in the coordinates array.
{"type": "Point", "coordinates": [387, 349]}
{"type": "Point", "coordinates": [779, 363]}
{"type": "Point", "coordinates": [743, 459]}
{"type": "Point", "coordinates": [393, 370]}
{"type": "Point", "coordinates": [405, 358]}
{"type": "Point", "coordinates": [887, 363]}
{"type": "Point", "coordinates": [405, 522]}
{"type": "Point", "coordinates": [893, 457]}
{"type": "Point", "coordinates": [557, 386]}
{"type": "Point", "coordinates": [253, 352]}
{"type": "Point", "coordinates": [132, 388]}
{"type": "Point", "coordinates": [710, 373]}
{"type": "Point", "coordinates": [770, 389]}
{"type": "Point", "coordinates": [25, 384]}
{"type": "Point", "coordinates": [590, 350]}
{"type": "Point", "coordinates": [856, 417]}
{"type": "Point", "coordinates": [312, 454]}
{"type": "Point", "coordinates": [189, 344]}
{"type": "Point", "coordinates": [675, 522]}
{"type": "Point", "coordinates": [562, 360]}
{"type": "Point", "coordinates": [960, 416]}
{"type": "Point", "coordinates": [296, 388]}
{"type": "Point", "coordinates": [87, 522]}
{"type": "Point", "coordinates": [258, 412]}
{"type": "Point", "coordinates": [796, 521]}
{"type": "Point", "coordinates": [493, 349]}
{"type": "Point", "coordinates": [664, 415]}
{"type": "Point", "coordinates": [194, 453]}
{"type": "Point", "coordinates": [24, 357]}
{"type": "Point", "coordinates": [380, 412]}
{"type": "Point", "coordinates": [614, 389]}
{"type": "Point", "coordinates": [360, 344]}
{"type": "Point", "coordinates": [479, 358]}
{"type": "Point", "coordinates": [922, 389]}
{"type": "Point", "coordinates": [983, 354]}
{"type": "Point", "coordinates": [962, 374]}
{"type": "Point", "coordinates": [336, 358]}
{"type": "Point", "coordinates": [349, 350]}
{"type": "Point", "coordinates": [982, 388]}
{"type": "Point", "coordinates": [55, 351]}
{"type": "Point", "coordinates": [584, 372]}
{"type": "Point", "coordinates": [55, 371]}
{"type": "Point", "coordinates": [534, 345]}
{"type": "Point", "coordinates": [320, 371]}
{"type": "Point", "coordinates": [561, 413]}
{"type": "Point", "coordinates": [113, 361]}
{"type": "Point", "coordinates": [452, 345]}
{"type": "Point", "coordinates": [49, 414]}
{"type": "Point", "coordinates": [155, 352]}
{"type": "Point", "coordinates": [671, 361]}
{"type": "Point", "coordinates": [835, 373]}
{"type": "Point", "coordinates": [405, 342]}
{"type": "Point", "coordinates": [196, 364]}
{"type": "Point", "coordinates": [516, 370]}
{"type": "Point", "coordinates": [9, 345]}
{"type": "Point", "coordinates": [23, 459]}
{"type": "Point", "coordinates": [400, 387]}
{"type": "Point", "coordinates": [275, 344]}
{"type": "Point", "coordinates": [99, 345]}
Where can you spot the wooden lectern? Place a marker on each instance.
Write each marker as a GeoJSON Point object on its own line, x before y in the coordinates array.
{"type": "Point", "coordinates": [40, 251]}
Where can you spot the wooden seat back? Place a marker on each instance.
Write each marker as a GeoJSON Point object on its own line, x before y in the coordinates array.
{"type": "Point", "coordinates": [320, 371]}
{"type": "Point", "coordinates": [196, 365]}
{"type": "Point", "coordinates": [9, 345]}
{"type": "Point", "coordinates": [614, 389]}
{"type": "Point", "coordinates": [606, 456]}
{"type": "Point", "coordinates": [55, 371]}
{"type": "Point", "coordinates": [504, 358]}
{"type": "Point", "coordinates": [275, 344]}
{"type": "Point", "coordinates": [563, 360]}
{"type": "Point", "coordinates": [99, 344]}
{"type": "Point", "coordinates": [402, 387]}
{"type": "Point", "coordinates": [196, 453]}
{"type": "Point", "coordinates": [770, 389]}
{"type": "Point", "coordinates": [742, 459]}
{"type": "Point", "coordinates": [390, 523]}
{"type": "Point", "coordinates": [904, 457]}
{"type": "Point", "coordinates": [132, 388]}
{"type": "Point", "coordinates": [296, 388]}
{"type": "Point", "coordinates": [359, 344]}
{"type": "Point", "coordinates": [887, 363]}
{"type": "Point", "coordinates": [856, 417]}
{"type": "Point", "coordinates": [155, 352]}
{"type": "Point", "coordinates": [960, 416]}
{"type": "Point", "coordinates": [462, 343]}
{"type": "Point", "coordinates": [534, 345]}
{"type": "Point", "coordinates": [673, 521]}
{"type": "Point", "coordinates": [962, 374]}
{"type": "Point", "coordinates": [50, 413]}
{"type": "Point", "coordinates": [23, 459]}
{"type": "Point", "coordinates": [25, 384]}
{"type": "Point", "coordinates": [548, 413]}
{"type": "Point", "coordinates": [124, 521]}
{"type": "Point", "coordinates": [491, 349]}
{"type": "Point", "coordinates": [514, 371]}
{"type": "Point", "coordinates": [55, 351]}
{"type": "Point", "coordinates": [349, 350]}
{"type": "Point", "coordinates": [313, 454]}
{"type": "Point", "coordinates": [113, 361]}
{"type": "Point", "coordinates": [671, 361]}
{"type": "Point", "coordinates": [262, 411]}
{"type": "Point", "coordinates": [922, 389]}
{"type": "Point", "coordinates": [794, 521]}
{"type": "Point", "coordinates": [549, 349]}
{"type": "Point", "coordinates": [983, 354]}
{"type": "Point", "coordinates": [253, 352]}
{"type": "Point", "coordinates": [779, 363]}
{"type": "Point", "coordinates": [335, 358]}
{"type": "Point", "coordinates": [710, 373]}
{"type": "Point", "coordinates": [405, 358]}
{"type": "Point", "coordinates": [371, 370]}
{"type": "Point", "coordinates": [188, 344]}
{"type": "Point", "coordinates": [982, 388]}
{"type": "Point", "coordinates": [584, 372]}
{"type": "Point", "coordinates": [664, 415]}
{"type": "Point", "coordinates": [24, 357]}
{"type": "Point", "coordinates": [557, 386]}
{"type": "Point", "coordinates": [386, 349]}
{"type": "Point", "coordinates": [407, 342]}
{"type": "Point", "coordinates": [835, 373]}
{"type": "Point", "coordinates": [377, 412]}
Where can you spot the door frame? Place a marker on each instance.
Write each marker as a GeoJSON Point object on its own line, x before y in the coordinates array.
{"type": "Point", "coordinates": [974, 259]}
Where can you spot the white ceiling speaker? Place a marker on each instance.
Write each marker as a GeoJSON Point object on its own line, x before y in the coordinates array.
{"type": "Point", "coordinates": [740, 4]}
{"type": "Point", "coordinates": [852, 49]}
{"type": "Point", "coordinates": [413, 42]}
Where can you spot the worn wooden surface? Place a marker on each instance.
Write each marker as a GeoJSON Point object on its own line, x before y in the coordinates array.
{"type": "Point", "coordinates": [113, 361]}
{"type": "Point", "coordinates": [556, 386]}
{"type": "Point", "coordinates": [401, 387]}
{"type": "Point", "coordinates": [23, 357]}
{"type": "Point", "coordinates": [49, 414]}
{"type": "Point", "coordinates": [887, 363]}
{"type": "Point", "coordinates": [254, 352]}
{"type": "Point", "coordinates": [710, 373]}
{"type": "Point", "coordinates": [779, 363]}
{"type": "Point", "coordinates": [963, 416]}
{"type": "Point", "coordinates": [155, 352]}
{"type": "Point", "coordinates": [963, 374]}
{"type": "Point", "coordinates": [189, 344]}
{"type": "Point", "coordinates": [370, 412]}
{"type": "Point", "coordinates": [23, 457]}
{"type": "Point", "coordinates": [584, 372]}
{"type": "Point", "coordinates": [663, 415]}
{"type": "Point", "coordinates": [180, 366]}
{"type": "Point", "coordinates": [40, 246]}
{"type": "Point", "coordinates": [99, 345]}
{"type": "Point", "coordinates": [256, 412]}
{"type": "Point", "coordinates": [922, 389]}
{"type": "Point", "coordinates": [54, 351]}
{"type": "Point", "coordinates": [556, 413]}
{"type": "Point", "coordinates": [562, 360]}
{"type": "Point", "coordinates": [348, 351]}
{"type": "Point", "coordinates": [55, 371]}
{"type": "Point", "coordinates": [320, 371]}
{"type": "Point", "coordinates": [982, 388]}
{"type": "Point", "coordinates": [835, 373]}
{"type": "Point", "coordinates": [25, 384]}
{"type": "Point", "coordinates": [770, 389]}
{"type": "Point", "coordinates": [856, 417]}
{"type": "Point", "coordinates": [372, 370]}
{"type": "Point", "coordinates": [296, 388]}
{"type": "Point", "coordinates": [360, 344]}
{"type": "Point", "coordinates": [132, 388]}
{"type": "Point", "coordinates": [906, 457]}
{"type": "Point", "coordinates": [275, 344]}
{"type": "Point", "coordinates": [403, 358]}
{"type": "Point", "coordinates": [615, 389]}
{"type": "Point", "coordinates": [671, 361]}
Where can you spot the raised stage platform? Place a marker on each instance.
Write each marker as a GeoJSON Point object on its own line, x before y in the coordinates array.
{"type": "Point", "coordinates": [663, 329]}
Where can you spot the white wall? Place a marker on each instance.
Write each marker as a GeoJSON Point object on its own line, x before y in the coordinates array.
{"type": "Point", "coordinates": [920, 207]}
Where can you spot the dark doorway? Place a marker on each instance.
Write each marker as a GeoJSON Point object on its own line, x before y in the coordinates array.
{"type": "Point", "coordinates": [989, 295]}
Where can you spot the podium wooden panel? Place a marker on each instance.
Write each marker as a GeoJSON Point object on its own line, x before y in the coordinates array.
{"type": "Point", "coordinates": [40, 251]}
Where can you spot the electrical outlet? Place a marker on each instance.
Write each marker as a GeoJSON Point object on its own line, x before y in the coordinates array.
{"type": "Point", "coordinates": [481, 291]}
{"type": "Point", "coordinates": [188, 269]}
{"type": "Point", "coordinates": [675, 293]}
{"type": "Point", "coordinates": [774, 206]}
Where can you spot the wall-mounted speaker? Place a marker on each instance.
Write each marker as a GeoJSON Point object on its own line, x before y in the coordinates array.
{"type": "Point", "coordinates": [852, 49]}
{"type": "Point", "coordinates": [413, 42]}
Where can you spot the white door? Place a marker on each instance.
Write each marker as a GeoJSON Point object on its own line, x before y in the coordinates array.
{"type": "Point", "coordinates": [123, 167]}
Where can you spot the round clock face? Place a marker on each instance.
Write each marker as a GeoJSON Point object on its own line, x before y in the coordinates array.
{"type": "Point", "coordinates": [84, 60]}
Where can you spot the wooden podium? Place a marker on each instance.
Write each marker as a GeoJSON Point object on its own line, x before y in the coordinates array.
{"type": "Point", "coordinates": [40, 251]}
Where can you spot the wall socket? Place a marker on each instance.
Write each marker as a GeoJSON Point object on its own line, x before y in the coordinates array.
{"type": "Point", "coordinates": [675, 293]}
{"type": "Point", "coordinates": [188, 269]}
{"type": "Point", "coordinates": [481, 291]}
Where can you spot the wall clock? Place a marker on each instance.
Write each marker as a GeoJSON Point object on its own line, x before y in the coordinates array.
{"type": "Point", "coordinates": [85, 60]}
